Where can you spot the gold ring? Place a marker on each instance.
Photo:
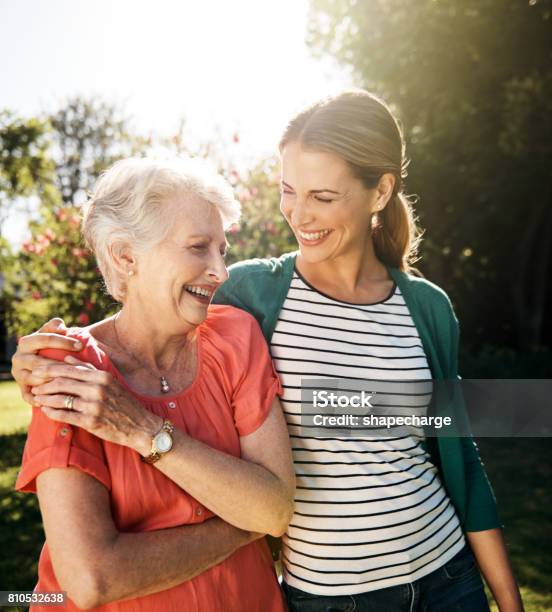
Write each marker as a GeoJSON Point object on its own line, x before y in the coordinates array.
{"type": "Point", "coordinates": [68, 403]}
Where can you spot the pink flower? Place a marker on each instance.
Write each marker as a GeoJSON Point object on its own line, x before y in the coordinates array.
{"type": "Point", "coordinates": [234, 177]}
{"type": "Point", "coordinates": [80, 253]}
{"type": "Point", "coordinates": [36, 295]}
{"type": "Point", "coordinates": [88, 305]}
{"type": "Point", "coordinates": [50, 234]}
{"type": "Point", "coordinates": [84, 319]}
{"type": "Point", "coordinates": [61, 214]}
{"type": "Point", "coordinates": [236, 138]}
{"type": "Point", "coordinates": [233, 229]}
{"type": "Point", "coordinates": [54, 262]}
{"type": "Point", "coordinates": [245, 195]}
{"type": "Point", "coordinates": [28, 247]}
{"type": "Point", "coordinates": [42, 240]}
{"type": "Point", "coordinates": [74, 221]}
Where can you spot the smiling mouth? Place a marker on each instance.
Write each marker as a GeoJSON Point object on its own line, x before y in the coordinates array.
{"type": "Point", "coordinates": [313, 236]}
{"type": "Point", "coordinates": [200, 293]}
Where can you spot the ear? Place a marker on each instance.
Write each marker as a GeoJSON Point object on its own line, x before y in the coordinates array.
{"type": "Point", "coordinates": [123, 257]}
{"type": "Point", "coordinates": [384, 191]}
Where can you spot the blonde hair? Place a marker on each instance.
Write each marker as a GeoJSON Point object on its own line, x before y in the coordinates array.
{"type": "Point", "coordinates": [359, 127]}
{"type": "Point", "coordinates": [130, 203]}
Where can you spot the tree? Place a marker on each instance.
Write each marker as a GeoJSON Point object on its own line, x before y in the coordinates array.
{"type": "Point", "coordinates": [53, 274]}
{"type": "Point", "coordinates": [473, 83]}
{"type": "Point", "coordinates": [25, 167]}
{"type": "Point", "coordinates": [89, 135]}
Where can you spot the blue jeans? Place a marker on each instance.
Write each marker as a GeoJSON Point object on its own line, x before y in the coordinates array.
{"type": "Point", "coordinates": [454, 587]}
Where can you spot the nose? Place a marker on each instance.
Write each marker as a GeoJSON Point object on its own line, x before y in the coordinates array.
{"type": "Point", "coordinates": [217, 268]}
{"type": "Point", "coordinates": [299, 212]}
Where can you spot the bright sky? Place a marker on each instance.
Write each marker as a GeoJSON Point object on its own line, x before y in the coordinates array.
{"type": "Point", "coordinates": [227, 66]}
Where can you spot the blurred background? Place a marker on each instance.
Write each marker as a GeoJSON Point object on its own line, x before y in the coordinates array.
{"type": "Point", "coordinates": [85, 83]}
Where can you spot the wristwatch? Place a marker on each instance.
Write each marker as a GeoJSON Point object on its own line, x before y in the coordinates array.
{"type": "Point", "coordinates": [161, 443]}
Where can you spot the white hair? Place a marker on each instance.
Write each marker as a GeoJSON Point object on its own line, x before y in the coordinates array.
{"type": "Point", "coordinates": [130, 203]}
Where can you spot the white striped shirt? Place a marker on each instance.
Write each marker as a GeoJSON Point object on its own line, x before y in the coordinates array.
{"type": "Point", "coordinates": [370, 512]}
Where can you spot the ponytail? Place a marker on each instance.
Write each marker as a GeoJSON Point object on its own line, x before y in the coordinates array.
{"type": "Point", "coordinates": [395, 235]}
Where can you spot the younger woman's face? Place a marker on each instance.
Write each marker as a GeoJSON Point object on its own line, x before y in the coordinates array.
{"type": "Point", "coordinates": [328, 209]}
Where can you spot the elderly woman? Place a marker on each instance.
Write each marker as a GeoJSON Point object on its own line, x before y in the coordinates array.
{"type": "Point", "coordinates": [162, 461]}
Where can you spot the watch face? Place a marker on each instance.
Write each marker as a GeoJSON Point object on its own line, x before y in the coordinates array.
{"type": "Point", "coordinates": [163, 442]}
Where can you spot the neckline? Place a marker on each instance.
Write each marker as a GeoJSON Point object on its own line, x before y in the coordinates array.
{"type": "Point", "coordinates": [329, 297]}
{"type": "Point", "coordinates": [152, 398]}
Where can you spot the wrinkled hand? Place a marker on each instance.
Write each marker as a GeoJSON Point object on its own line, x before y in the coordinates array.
{"type": "Point", "coordinates": [101, 405]}
{"type": "Point", "coordinates": [50, 335]}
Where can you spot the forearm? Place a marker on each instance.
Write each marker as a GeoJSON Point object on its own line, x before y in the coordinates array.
{"type": "Point", "coordinates": [490, 551]}
{"type": "Point", "coordinates": [242, 493]}
{"type": "Point", "coordinates": [138, 564]}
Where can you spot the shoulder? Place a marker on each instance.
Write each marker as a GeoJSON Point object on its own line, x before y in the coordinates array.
{"type": "Point", "coordinates": [269, 268]}
{"type": "Point", "coordinates": [427, 295]}
{"type": "Point", "coordinates": [231, 338]}
{"type": "Point", "coordinates": [91, 352]}
{"type": "Point", "coordinates": [230, 323]}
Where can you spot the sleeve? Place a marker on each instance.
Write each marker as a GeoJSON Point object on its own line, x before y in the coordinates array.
{"type": "Point", "coordinates": [51, 444]}
{"type": "Point", "coordinates": [257, 383]}
{"type": "Point", "coordinates": [481, 508]}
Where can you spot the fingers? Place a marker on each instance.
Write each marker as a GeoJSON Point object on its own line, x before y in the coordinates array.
{"type": "Point", "coordinates": [27, 395]}
{"type": "Point", "coordinates": [68, 386]}
{"type": "Point", "coordinates": [54, 326]}
{"type": "Point", "coordinates": [40, 341]}
{"type": "Point", "coordinates": [74, 361]}
{"type": "Point", "coordinates": [84, 414]}
{"type": "Point", "coordinates": [65, 416]}
{"type": "Point", "coordinates": [58, 369]}
{"type": "Point", "coordinates": [23, 366]}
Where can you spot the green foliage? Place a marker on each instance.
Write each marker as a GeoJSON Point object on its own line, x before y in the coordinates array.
{"type": "Point", "coordinates": [89, 135]}
{"type": "Point", "coordinates": [262, 232]}
{"type": "Point", "coordinates": [54, 275]}
{"type": "Point", "coordinates": [472, 82]}
{"type": "Point", "coordinates": [24, 161]}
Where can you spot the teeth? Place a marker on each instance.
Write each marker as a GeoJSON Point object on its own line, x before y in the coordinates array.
{"type": "Point", "coordinates": [198, 291]}
{"type": "Point", "coordinates": [313, 235]}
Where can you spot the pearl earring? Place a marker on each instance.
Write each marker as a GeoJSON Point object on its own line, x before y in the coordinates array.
{"type": "Point", "coordinates": [130, 272]}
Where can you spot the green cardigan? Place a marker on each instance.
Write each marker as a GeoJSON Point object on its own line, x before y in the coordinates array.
{"type": "Point", "coordinates": [260, 287]}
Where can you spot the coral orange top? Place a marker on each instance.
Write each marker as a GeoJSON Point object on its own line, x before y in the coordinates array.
{"type": "Point", "coordinates": [230, 397]}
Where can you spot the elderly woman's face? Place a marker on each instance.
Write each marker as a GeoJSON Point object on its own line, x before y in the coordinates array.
{"type": "Point", "coordinates": [177, 279]}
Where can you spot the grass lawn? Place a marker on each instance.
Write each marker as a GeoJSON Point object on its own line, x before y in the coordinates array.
{"type": "Point", "coordinates": [520, 471]}
{"type": "Point", "coordinates": [15, 413]}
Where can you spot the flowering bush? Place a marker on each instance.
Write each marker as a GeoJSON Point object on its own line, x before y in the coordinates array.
{"type": "Point", "coordinates": [262, 231]}
{"type": "Point", "coordinates": [54, 275]}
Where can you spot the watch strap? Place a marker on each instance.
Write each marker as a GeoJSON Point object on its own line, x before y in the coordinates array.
{"type": "Point", "coordinates": [155, 455]}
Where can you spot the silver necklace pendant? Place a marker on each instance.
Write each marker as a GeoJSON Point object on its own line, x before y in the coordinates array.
{"type": "Point", "coordinates": [164, 385]}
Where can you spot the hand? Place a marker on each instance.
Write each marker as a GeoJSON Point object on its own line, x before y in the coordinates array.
{"type": "Point", "coordinates": [101, 405]}
{"type": "Point", "coordinates": [50, 335]}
